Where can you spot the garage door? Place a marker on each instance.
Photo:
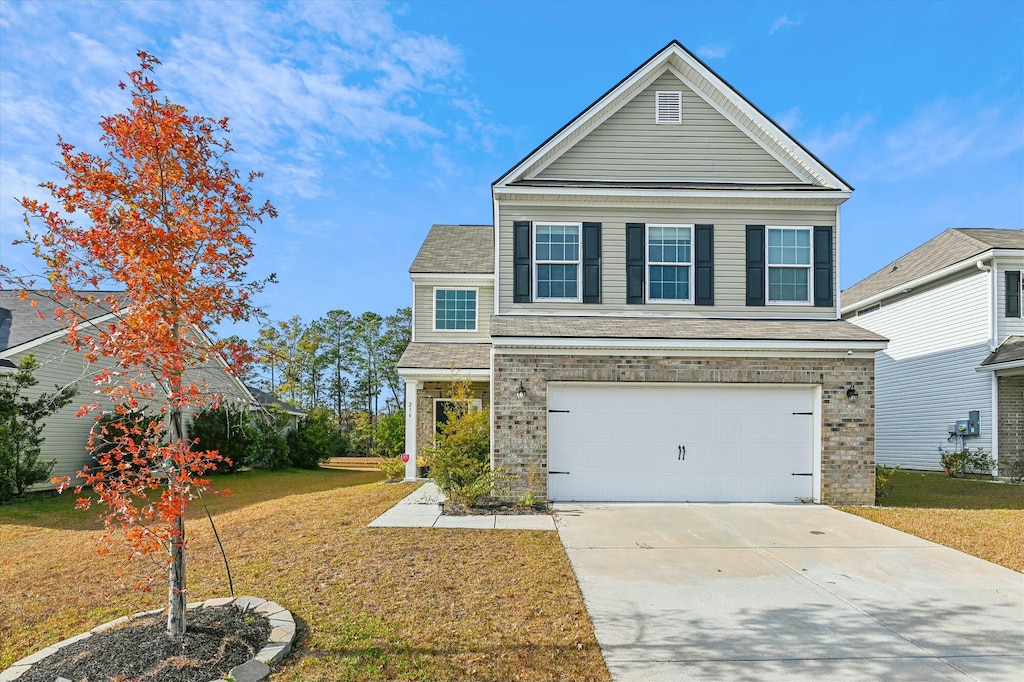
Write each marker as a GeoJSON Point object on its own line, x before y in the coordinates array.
{"type": "Point", "coordinates": [700, 443]}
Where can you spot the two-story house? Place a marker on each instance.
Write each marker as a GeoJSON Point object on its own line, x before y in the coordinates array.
{"type": "Point", "coordinates": [654, 313]}
{"type": "Point", "coordinates": [952, 311]}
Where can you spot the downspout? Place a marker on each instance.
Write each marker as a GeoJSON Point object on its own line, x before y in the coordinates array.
{"type": "Point", "coordinates": [992, 301]}
{"type": "Point", "coordinates": [993, 329]}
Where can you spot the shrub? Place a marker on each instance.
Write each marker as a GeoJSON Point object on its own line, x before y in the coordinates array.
{"type": "Point", "coordinates": [389, 434]}
{"type": "Point", "coordinates": [268, 443]}
{"type": "Point", "coordinates": [883, 480]}
{"type": "Point", "coordinates": [316, 439]}
{"type": "Point", "coordinates": [1014, 470]}
{"type": "Point", "coordinates": [393, 468]}
{"type": "Point", "coordinates": [226, 430]}
{"type": "Point", "coordinates": [967, 462]}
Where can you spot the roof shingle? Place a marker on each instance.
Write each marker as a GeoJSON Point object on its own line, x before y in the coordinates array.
{"type": "Point", "coordinates": [446, 356]}
{"type": "Point", "coordinates": [949, 248]}
{"type": "Point", "coordinates": [20, 321]}
{"type": "Point", "coordinates": [456, 249]}
{"type": "Point", "coordinates": [1010, 350]}
{"type": "Point", "coordinates": [670, 329]}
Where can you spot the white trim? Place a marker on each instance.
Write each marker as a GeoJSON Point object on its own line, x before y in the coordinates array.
{"type": "Point", "coordinates": [819, 314]}
{"type": "Point", "coordinates": [497, 251]}
{"type": "Point", "coordinates": [476, 310]}
{"type": "Point", "coordinates": [739, 344]}
{"type": "Point", "coordinates": [412, 314]}
{"type": "Point", "coordinates": [660, 63]}
{"type": "Point", "coordinates": [647, 192]}
{"type": "Point", "coordinates": [411, 415]}
{"type": "Point", "coordinates": [809, 268]}
{"type": "Point", "coordinates": [816, 454]}
{"type": "Point", "coordinates": [1012, 364]}
{"type": "Point", "coordinates": [441, 373]}
{"type": "Point", "coordinates": [836, 289]}
{"type": "Point", "coordinates": [691, 352]}
{"type": "Point", "coordinates": [483, 278]}
{"type": "Point", "coordinates": [648, 263]}
{"type": "Point", "coordinates": [535, 263]}
{"type": "Point", "coordinates": [929, 278]}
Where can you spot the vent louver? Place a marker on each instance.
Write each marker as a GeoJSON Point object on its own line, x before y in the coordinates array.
{"type": "Point", "coordinates": [668, 107]}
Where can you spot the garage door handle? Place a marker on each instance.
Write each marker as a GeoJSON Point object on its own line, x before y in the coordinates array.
{"type": "Point", "coordinates": [801, 474]}
{"type": "Point", "coordinates": [682, 452]}
{"type": "Point", "coordinates": [558, 472]}
{"type": "Point", "coordinates": [809, 414]}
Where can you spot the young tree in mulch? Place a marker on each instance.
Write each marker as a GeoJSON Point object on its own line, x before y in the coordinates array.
{"type": "Point", "coordinates": [21, 429]}
{"type": "Point", "coordinates": [161, 214]}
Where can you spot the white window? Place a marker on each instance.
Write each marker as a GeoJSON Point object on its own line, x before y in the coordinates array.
{"type": "Point", "coordinates": [455, 310]}
{"type": "Point", "coordinates": [669, 263]}
{"type": "Point", "coordinates": [668, 107]}
{"type": "Point", "coordinates": [789, 265]}
{"type": "Point", "coordinates": [556, 256]}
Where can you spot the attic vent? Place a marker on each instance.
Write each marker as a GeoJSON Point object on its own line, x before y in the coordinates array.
{"type": "Point", "coordinates": [668, 106]}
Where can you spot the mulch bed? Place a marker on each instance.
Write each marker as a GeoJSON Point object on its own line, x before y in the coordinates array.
{"type": "Point", "coordinates": [493, 509]}
{"type": "Point", "coordinates": [217, 639]}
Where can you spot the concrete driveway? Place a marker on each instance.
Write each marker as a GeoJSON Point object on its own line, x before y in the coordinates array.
{"type": "Point", "coordinates": [786, 592]}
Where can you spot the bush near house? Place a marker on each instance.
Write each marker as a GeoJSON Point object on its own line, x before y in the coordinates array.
{"type": "Point", "coordinates": [227, 430]}
{"type": "Point", "coordinates": [967, 462]}
{"type": "Point", "coordinates": [316, 439]}
{"type": "Point", "coordinates": [268, 442]}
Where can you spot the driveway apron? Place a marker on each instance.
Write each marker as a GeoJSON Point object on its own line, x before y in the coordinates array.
{"type": "Point", "coordinates": [786, 592]}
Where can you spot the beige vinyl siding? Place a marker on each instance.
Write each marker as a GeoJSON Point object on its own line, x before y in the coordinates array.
{"type": "Point", "coordinates": [424, 302]}
{"type": "Point", "coordinates": [705, 147]}
{"type": "Point", "coordinates": [926, 378]}
{"type": "Point", "coordinates": [65, 434]}
{"type": "Point", "coordinates": [730, 258]}
{"type": "Point", "coordinates": [1006, 326]}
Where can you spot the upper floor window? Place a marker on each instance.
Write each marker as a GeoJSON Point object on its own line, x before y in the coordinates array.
{"type": "Point", "coordinates": [556, 255]}
{"type": "Point", "coordinates": [455, 309]}
{"type": "Point", "coordinates": [669, 261]}
{"type": "Point", "coordinates": [789, 264]}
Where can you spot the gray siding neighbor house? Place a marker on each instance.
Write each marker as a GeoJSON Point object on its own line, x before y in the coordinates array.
{"type": "Point", "coordinates": [653, 314]}
{"type": "Point", "coordinates": [27, 329]}
{"type": "Point", "coordinates": [952, 311]}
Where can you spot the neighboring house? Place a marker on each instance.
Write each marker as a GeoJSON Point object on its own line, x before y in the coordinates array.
{"type": "Point", "coordinates": [269, 400]}
{"type": "Point", "coordinates": [654, 313]}
{"type": "Point", "coordinates": [27, 329]}
{"type": "Point", "coordinates": [952, 311]}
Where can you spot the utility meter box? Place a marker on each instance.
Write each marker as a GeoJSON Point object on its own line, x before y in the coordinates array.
{"type": "Point", "coordinates": [974, 423]}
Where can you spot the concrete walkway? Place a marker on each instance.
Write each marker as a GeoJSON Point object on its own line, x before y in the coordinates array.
{"type": "Point", "coordinates": [786, 592]}
{"type": "Point", "coordinates": [422, 509]}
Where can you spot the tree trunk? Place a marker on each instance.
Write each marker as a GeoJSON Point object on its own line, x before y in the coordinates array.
{"type": "Point", "coordinates": [176, 597]}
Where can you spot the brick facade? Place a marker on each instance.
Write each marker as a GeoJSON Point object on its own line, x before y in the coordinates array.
{"type": "Point", "coordinates": [425, 395]}
{"type": "Point", "coordinates": [1011, 423]}
{"type": "Point", "coordinates": [848, 448]}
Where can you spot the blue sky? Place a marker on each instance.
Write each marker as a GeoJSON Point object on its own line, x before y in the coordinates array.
{"type": "Point", "coordinates": [372, 121]}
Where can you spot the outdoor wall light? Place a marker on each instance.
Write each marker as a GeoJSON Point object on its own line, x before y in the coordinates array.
{"type": "Point", "coordinates": [521, 391]}
{"type": "Point", "coordinates": [851, 394]}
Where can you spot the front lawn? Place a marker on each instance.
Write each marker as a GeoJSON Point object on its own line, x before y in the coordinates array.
{"type": "Point", "coordinates": [371, 603]}
{"type": "Point", "coordinates": [977, 517]}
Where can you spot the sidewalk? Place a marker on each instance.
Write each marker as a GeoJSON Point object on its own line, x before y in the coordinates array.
{"type": "Point", "coordinates": [421, 509]}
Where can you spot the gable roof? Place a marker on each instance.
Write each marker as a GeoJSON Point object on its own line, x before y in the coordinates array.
{"type": "Point", "coordinates": [714, 89]}
{"type": "Point", "coordinates": [456, 249]}
{"type": "Point", "coordinates": [266, 399]}
{"type": "Point", "coordinates": [1010, 350]}
{"type": "Point", "coordinates": [20, 321]}
{"type": "Point", "coordinates": [955, 245]}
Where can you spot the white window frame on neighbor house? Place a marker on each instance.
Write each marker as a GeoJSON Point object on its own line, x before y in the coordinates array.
{"type": "Point", "coordinates": [687, 264]}
{"type": "Point", "coordinates": [576, 263]}
{"type": "Point", "coordinates": [476, 309]}
{"type": "Point", "coordinates": [475, 405]}
{"type": "Point", "coordinates": [809, 267]}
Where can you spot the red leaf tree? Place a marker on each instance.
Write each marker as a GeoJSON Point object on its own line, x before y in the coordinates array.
{"type": "Point", "coordinates": [162, 214]}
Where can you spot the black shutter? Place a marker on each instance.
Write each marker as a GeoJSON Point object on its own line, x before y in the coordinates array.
{"type": "Point", "coordinates": [521, 262]}
{"type": "Point", "coordinates": [591, 262]}
{"type": "Point", "coordinates": [823, 266]}
{"type": "Point", "coordinates": [755, 264]}
{"type": "Point", "coordinates": [704, 265]}
{"type": "Point", "coordinates": [1013, 293]}
{"type": "Point", "coordinates": [635, 262]}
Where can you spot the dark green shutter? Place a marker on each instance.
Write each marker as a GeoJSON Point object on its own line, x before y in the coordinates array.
{"type": "Point", "coordinates": [1013, 293]}
{"type": "Point", "coordinates": [704, 265]}
{"type": "Point", "coordinates": [591, 262]}
{"type": "Point", "coordinates": [823, 286]}
{"type": "Point", "coordinates": [635, 262]}
{"type": "Point", "coordinates": [755, 264]}
{"type": "Point", "coordinates": [521, 262]}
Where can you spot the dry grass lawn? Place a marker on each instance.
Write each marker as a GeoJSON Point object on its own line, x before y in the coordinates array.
{"type": "Point", "coordinates": [977, 517]}
{"type": "Point", "coordinates": [370, 603]}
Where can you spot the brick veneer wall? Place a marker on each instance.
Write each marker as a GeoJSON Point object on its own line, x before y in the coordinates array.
{"type": "Point", "coordinates": [1011, 423]}
{"type": "Point", "coordinates": [848, 428]}
{"type": "Point", "coordinates": [425, 395]}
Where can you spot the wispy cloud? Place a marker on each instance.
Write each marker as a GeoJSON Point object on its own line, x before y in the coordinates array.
{"type": "Point", "coordinates": [783, 22]}
{"type": "Point", "coordinates": [840, 136]}
{"type": "Point", "coordinates": [713, 51]}
{"type": "Point", "coordinates": [790, 120]}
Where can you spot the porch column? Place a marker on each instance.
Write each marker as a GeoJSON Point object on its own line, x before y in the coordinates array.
{"type": "Point", "coordinates": [411, 400]}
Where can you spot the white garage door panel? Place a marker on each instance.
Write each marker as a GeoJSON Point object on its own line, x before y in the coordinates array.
{"type": "Point", "coordinates": [621, 443]}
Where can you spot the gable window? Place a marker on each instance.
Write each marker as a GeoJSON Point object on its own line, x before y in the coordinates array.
{"type": "Point", "coordinates": [789, 264]}
{"type": "Point", "coordinates": [668, 107]}
{"type": "Point", "coordinates": [669, 262]}
{"type": "Point", "coordinates": [556, 255]}
{"type": "Point", "coordinates": [455, 310]}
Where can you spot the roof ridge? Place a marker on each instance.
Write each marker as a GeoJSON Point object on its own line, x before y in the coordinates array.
{"type": "Point", "coordinates": [959, 231]}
